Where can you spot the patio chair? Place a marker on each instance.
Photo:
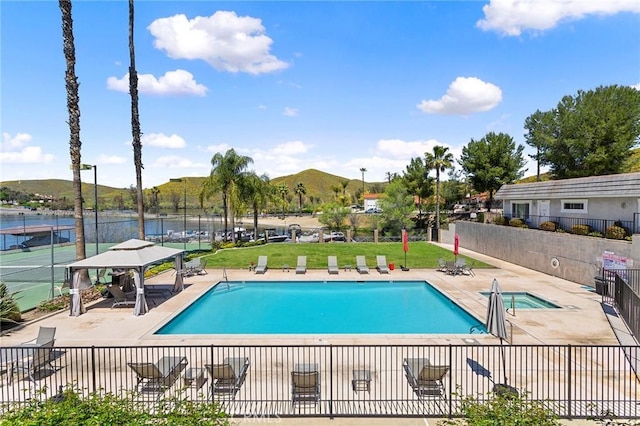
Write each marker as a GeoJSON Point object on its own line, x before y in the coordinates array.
{"type": "Point", "coordinates": [361, 265]}
{"type": "Point", "coordinates": [228, 377]}
{"type": "Point", "coordinates": [100, 276]}
{"type": "Point", "coordinates": [332, 265]}
{"type": "Point", "coordinates": [159, 376]}
{"type": "Point", "coordinates": [31, 360]}
{"type": "Point", "coordinates": [301, 267]}
{"type": "Point", "coordinates": [442, 265]}
{"type": "Point", "coordinates": [120, 298]}
{"type": "Point", "coordinates": [261, 267]}
{"type": "Point", "coordinates": [468, 269]}
{"type": "Point", "coordinates": [450, 268]}
{"type": "Point", "coordinates": [381, 264]}
{"type": "Point", "coordinates": [46, 336]}
{"type": "Point", "coordinates": [425, 379]}
{"type": "Point", "coordinates": [305, 384]}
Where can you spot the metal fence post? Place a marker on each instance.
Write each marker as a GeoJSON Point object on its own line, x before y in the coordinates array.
{"type": "Point", "coordinates": [450, 380]}
{"type": "Point", "coordinates": [93, 368]}
{"type": "Point", "coordinates": [569, 387]}
{"type": "Point", "coordinates": [331, 382]}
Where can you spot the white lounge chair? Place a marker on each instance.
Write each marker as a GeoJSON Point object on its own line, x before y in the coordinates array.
{"type": "Point", "coordinates": [425, 379]}
{"type": "Point", "coordinates": [120, 298]}
{"type": "Point", "coordinates": [361, 265]}
{"type": "Point", "coordinates": [159, 376]}
{"type": "Point", "coordinates": [261, 267]}
{"type": "Point", "coordinates": [381, 264]}
{"type": "Point", "coordinates": [301, 267]}
{"type": "Point", "coordinates": [332, 264]}
{"type": "Point", "coordinates": [228, 377]}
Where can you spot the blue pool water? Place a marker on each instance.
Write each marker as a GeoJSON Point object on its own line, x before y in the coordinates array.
{"type": "Point", "coordinates": [406, 307]}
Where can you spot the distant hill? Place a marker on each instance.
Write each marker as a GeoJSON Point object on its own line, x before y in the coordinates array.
{"type": "Point", "coordinates": [318, 184]}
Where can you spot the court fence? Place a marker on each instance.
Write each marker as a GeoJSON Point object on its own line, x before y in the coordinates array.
{"type": "Point", "coordinates": [573, 381]}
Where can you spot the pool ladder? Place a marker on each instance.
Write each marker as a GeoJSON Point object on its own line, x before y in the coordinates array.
{"type": "Point", "coordinates": [226, 278]}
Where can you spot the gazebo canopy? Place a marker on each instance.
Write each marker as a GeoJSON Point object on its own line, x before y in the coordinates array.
{"type": "Point", "coordinates": [132, 254]}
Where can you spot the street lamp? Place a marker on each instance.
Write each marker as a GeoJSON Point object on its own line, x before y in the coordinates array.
{"type": "Point", "coordinates": [185, 209]}
{"type": "Point", "coordinates": [95, 195]}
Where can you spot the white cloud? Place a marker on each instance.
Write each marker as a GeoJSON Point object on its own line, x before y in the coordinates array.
{"type": "Point", "coordinates": [111, 159]}
{"type": "Point", "coordinates": [178, 82]}
{"type": "Point", "coordinates": [636, 86]}
{"type": "Point", "coordinates": [512, 17]}
{"type": "Point", "coordinates": [175, 162]}
{"type": "Point", "coordinates": [10, 143]}
{"type": "Point", "coordinates": [16, 149]}
{"type": "Point", "coordinates": [292, 148]}
{"type": "Point", "coordinates": [396, 148]}
{"type": "Point", "coordinates": [464, 96]}
{"type": "Point", "coordinates": [290, 112]}
{"type": "Point", "coordinates": [160, 140]}
{"type": "Point", "coordinates": [262, 107]}
{"type": "Point", "coordinates": [224, 40]}
{"type": "Point", "coordinates": [221, 148]}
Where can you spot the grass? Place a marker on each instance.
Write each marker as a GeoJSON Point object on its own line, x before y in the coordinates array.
{"type": "Point", "coordinates": [421, 255]}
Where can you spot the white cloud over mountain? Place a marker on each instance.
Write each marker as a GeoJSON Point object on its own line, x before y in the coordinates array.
{"type": "Point", "coordinates": [465, 95]}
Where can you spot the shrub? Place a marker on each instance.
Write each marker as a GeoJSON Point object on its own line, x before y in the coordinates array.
{"type": "Point", "coordinates": [549, 226]}
{"type": "Point", "coordinates": [515, 222]}
{"type": "Point", "coordinates": [504, 409]}
{"type": "Point", "coordinates": [596, 234]}
{"type": "Point", "coordinates": [616, 232]}
{"type": "Point", "coordinates": [581, 229]}
{"type": "Point", "coordinates": [499, 220]}
{"type": "Point", "coordinates": [9, 311]}
{"type": "Point", "coordinates": [68, 408]}
{"type": "Point", "coordinates": [480, 217]}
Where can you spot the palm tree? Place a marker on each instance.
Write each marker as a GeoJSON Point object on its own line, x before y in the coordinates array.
{"type": "Point", "coordinates": [440, 160]}
{"type": "Point", "coordinates": [135, 125]}
{"type": "Point", "coordinates": [258, 191]}
{"type": "Point", "coordinates": [300, 189]}
{"type": "Point", "coordinates": [71, 81]}
{"type": "Point", "coordinates": [283, 190]}
{"type": "Point", "coordinates": [226, 172]}
{"type": "Point", "coordinates": [154, 192]}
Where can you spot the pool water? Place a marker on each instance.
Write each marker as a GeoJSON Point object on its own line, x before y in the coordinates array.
{"type": "Point", "coordinates": [312, 307]}
{"type": "Point", "coordinates": [524, 300]}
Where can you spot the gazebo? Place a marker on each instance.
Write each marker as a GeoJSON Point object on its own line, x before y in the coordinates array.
{"type": "Point", "coordinates": [133, 255]}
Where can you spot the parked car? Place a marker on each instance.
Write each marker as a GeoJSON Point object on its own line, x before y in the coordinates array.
{"type": "Point", "coordinates": [372, 210]}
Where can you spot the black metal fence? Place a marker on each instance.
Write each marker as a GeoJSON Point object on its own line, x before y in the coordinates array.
{"type": "Point", "coordinates": [336, 381]}
{"type": "Point", "coordinates": [567, 224]}
{"type": "Point", "coordinates": [622, 287]}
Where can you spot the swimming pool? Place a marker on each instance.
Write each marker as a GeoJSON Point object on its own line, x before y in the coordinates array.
{"type": "Point", "coordinates": [317, 307]}
{"type": "Point", "coordinates": [524, 300]}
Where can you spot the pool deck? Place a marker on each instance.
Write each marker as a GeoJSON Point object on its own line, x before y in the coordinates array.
{"type": "Point", "coordinates": [582, 319]}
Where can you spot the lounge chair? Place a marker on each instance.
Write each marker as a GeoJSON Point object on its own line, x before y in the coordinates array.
{"type": "Point", "coordinates": [120, 298]}
{"type": "Point", "coordinates": [301, 267]}
{"type": "Point", "coordinates": [450, 268]}
{"type": "Point", "coordinates": [32, 359]}
{"type": "Point", "coordinates": [467, 269]}
{"type": "Point", "coordinates": [361, 265]}
{"type": "Point", "coordinates": [228, 377]}
{"type": "Point", "coordinates": [442, 265]}
{"type": "Point", "coordinates": [261, 267]}
{"type": "Point", "coordinates": [425, 379]}
{"type": "Point", "coordinates": [195, 267]}
{"type": "Point", "coordinates": [382, 265]}
{"type": "Point", "coordinates": [46, 336]}
{"type": "Point", "coordinates": [305, 384]}
{"type": "Point", "coordinates": [332, 264]}
{"type": "Point", "coordinates": [159, 376]}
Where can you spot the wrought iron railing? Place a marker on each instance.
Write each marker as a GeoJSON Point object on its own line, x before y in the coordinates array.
{"type": "Point", "coordinates": [593, 225]}
{"type": "Point", "coordinates": [369, 380]}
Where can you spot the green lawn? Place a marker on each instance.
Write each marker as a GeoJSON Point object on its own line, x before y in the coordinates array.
{"type": "Point", "coordinates": [421, 255]}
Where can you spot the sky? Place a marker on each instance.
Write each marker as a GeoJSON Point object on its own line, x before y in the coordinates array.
{"type": "Point", "coordinates": [332, 85]}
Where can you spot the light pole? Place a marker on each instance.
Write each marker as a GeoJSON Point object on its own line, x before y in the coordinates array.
{"type": "Point", "coordinates": [363, 170]}
{"type": "Point", "coordinates": [95, 195]}
{"type": "Point", "coordinates": [184, 241]}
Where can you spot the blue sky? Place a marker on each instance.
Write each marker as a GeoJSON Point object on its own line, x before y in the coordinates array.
{"type": "Point", "coordinates": [335, 86]}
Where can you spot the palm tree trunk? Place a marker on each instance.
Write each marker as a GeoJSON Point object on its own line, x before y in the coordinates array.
{"type": "Point", "coordinates": [135, 125]}
{"type": "Point", "coordinates": [438, 203]}
{"type": "Point", "coordinates": [71, 82]}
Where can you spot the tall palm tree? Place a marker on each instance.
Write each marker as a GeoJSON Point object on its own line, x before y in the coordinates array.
{"type": "Point", "coordinates": [135, 125]}
{"type": "Point", "coordinates": [440, 160]}
{"type": "Point", "coordinates": [300, 190]}
{"type": "Point", "coordinates": [226, 172]}
{"type": "Point", "coordinates": [71, 82]}
{"type": "Point", "coordinates": [283, 190]}
{"type": "Point", "coordinates": [257, 191]}
{"type": "Point", "coordinates": [363, 170]}
{"type": "Point", "coordinates": [154, 193]}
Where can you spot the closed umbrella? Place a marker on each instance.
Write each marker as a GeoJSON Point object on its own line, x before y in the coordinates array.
{"type": "Point", "coordinates": [456, 246]}
{"type": "Point", "coordinates": [405, 247]}
{"type": "Point", "coordinates": [496, 322]}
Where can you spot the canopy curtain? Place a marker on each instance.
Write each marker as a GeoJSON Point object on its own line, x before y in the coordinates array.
{"type": "Point", "coordinates": [178, 264]}
{"type": "Point", "coordinates": [141, 306]}
{"type": "Point", "coordinates": [75, 302]}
